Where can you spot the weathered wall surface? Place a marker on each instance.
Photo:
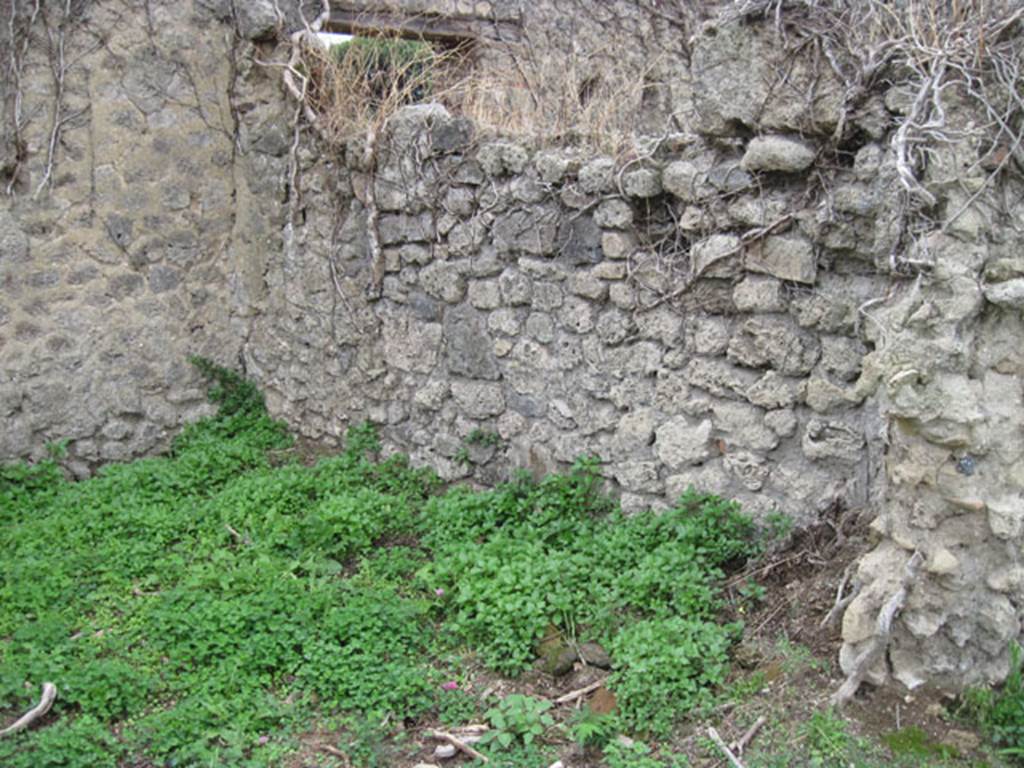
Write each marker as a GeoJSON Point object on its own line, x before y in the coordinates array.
{"type": "Point", "coordinates": [157, 216]}
{"type": "Point", "coordinates": [540, 298]}
{"type": "Point", "coordinates": [950, 376]}
{"type": "Point", "coordinates": [739, 303]}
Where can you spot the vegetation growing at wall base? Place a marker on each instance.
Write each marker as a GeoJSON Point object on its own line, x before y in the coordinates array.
{"type": "Point", "coordinates": [207, 607]}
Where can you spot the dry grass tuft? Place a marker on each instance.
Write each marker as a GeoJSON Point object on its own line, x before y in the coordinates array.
{"type": "Point", "coordinates": [355, 88]}
{"type": "Point", "coordinates": [539, 99]}
{"type": "Point", "coordinates": [592, 100]}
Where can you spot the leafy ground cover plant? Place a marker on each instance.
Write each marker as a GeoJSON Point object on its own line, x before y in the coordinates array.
{"type": "Point", "coordinates": [1000, 712]}
{"type": "Point", "coordinates": [204, 607]}
{"type": "Point", "coordinates": [518, 718]}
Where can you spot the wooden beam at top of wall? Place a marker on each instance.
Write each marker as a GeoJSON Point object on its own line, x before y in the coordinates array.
{"type": "Point", "coordinates": [451, 30]}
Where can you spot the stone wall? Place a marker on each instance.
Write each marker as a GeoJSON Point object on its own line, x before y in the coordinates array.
{"type": "Point", "coordinates": [569, 305]}
{"type": "Point", "coordinates": [745, 304]}
{"type": "Point", "coordinates": [155, 223]}
{"type": "Point", "coordinates": [737, 303]}
{"type": "Point", "coordinates": [950, 375]}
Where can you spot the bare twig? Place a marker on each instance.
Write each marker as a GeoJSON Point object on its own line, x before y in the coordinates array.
{"type": "Point", "coordinates": [733, 760]}
{"type": "Point", "coordinates": [842, 599]}
{"type": "Point", "coordinates": [40, 709]}
{"type": "Point", "coordinates": [334, 751]}
{"type": "Point", "coordinates": [459, 744]}
{"type": "Point", "coordinates": [580, 692]}
{"type": "Point", "coordinates": [236, 535]}
{"type": "Point", "coordinates": [741, 743]}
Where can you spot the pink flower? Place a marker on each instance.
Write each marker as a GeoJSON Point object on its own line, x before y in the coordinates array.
{"type": "Point", "coordinates": [451, 685]}
{"type": "Point", "coordinates": [263, 740]}
{"type": "Point", "coordinates": [439, 592]}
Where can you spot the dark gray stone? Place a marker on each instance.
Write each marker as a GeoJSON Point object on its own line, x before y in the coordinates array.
{"type": "Point", "coordinates": [448, 136]}
{"type": "Point", "coordinates": [121, 286]}
{"type": "Point", "coordinates": [729, 178]}
{"type": "Point", "coordinates": [579, 241]}
{"type": "Point", "coordinates": [468, 348]}
{"type": "Point", "coordinates": [526, 406]}
{"type": "Point", "coordinates": [120, 229]}
{"type": "Point", "coordinates": [424, 307]}
{"type": "Point", "coordinates": [163, 279]}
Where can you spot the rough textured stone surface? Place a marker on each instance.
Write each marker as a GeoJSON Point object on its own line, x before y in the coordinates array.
{"type": "Point", "coordinates": [787, 257]}
{"type": "Point", "coordinates": [778, 153]}
{"type": "Point", "coordinates": [684, 179]}
{"type": "Point", "coordinates": [642, 183]}
{"type": "Point", "coordinates": [734, 71]}
{"type": "Point", "coordinates": [150, 243]}
{"type": "Point", "coordinates": [769, 343]}
{"type": "Point", "coordinates": [681, 442]}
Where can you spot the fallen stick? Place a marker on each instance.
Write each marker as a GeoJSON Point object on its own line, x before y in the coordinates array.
{"type": "Point", "coordinates": [236, 535]}
{"type": "Point", "coordinates": [842, 600]}
{"type": "Point", "coordinates": [458, 744]}
{"type": "Point", "coordinates": [735, 761]}
{"type": "Point", "coordinates": [40, 709]}
{"type": "Point", "coordinates": [579, 692]}
{"type": "Point", "coordinates": [741, 744]}
{"type": "Point", "coordinates": [337, 753]}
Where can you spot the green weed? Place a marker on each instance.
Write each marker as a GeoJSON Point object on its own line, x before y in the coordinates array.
{"type": "Point", "coordinates": [592, 729]}
{"type": "Point", "coordinates": [668, 666]}
{"type": "Point", "coordinates": [517, 719]}
{"type": "Point", "coordinates": [636, 754]}
{"type": "Point", "coordinates": [206, 607]}
{"type": "Point", "coordinates": [828, 740]}
{"type": "Point", "coordinates": [913, 743]}
{"type": "Point", "coordinates": [1000, 713]}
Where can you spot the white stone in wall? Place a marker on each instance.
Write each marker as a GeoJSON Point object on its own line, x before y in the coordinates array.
{"type": "Point", "coordinates": [681, 442]}
{"type": "Point", "coordinates": [778, 153]}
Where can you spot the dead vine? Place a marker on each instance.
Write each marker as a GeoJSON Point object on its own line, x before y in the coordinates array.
{"type": "Point", "coordinates": [59, 32]}
{"type": "Point", "coordinates": [19, 32]}
{"type": "Point", "coordinates": [935, 54]}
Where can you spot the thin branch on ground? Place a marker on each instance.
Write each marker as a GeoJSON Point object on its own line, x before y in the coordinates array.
{"type": "Point", "coordinates": [741, 743]}
{"type": "Point", "coordinates": [45, 702]}
{"type": "Point", "coordinates": [459, 744]}
{"type": "Point", "coordinates": [724, 749]}
{"type": "Point", "coordinates": [579, 692]}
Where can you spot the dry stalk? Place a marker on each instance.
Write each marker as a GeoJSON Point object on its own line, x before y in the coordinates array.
{"type": "Point", "coordinates": [59, 66]}
{"type": "Point", "coordinates": [883, 631]}
{"type": "Point", "coordinates": [592, 99]}
{"type": "Point", "coordinates": [580, 692]}
{"type": "Point", "coordinates": [724, 749]}
{"type": "Point", "coordinates": [741, 743]}
{"type": "Point", "coordinates": [459, 744]}
{"type": "Point", "coordinates": [15, 70]}
{"type": "Point", "coordinates": [842, 598]}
